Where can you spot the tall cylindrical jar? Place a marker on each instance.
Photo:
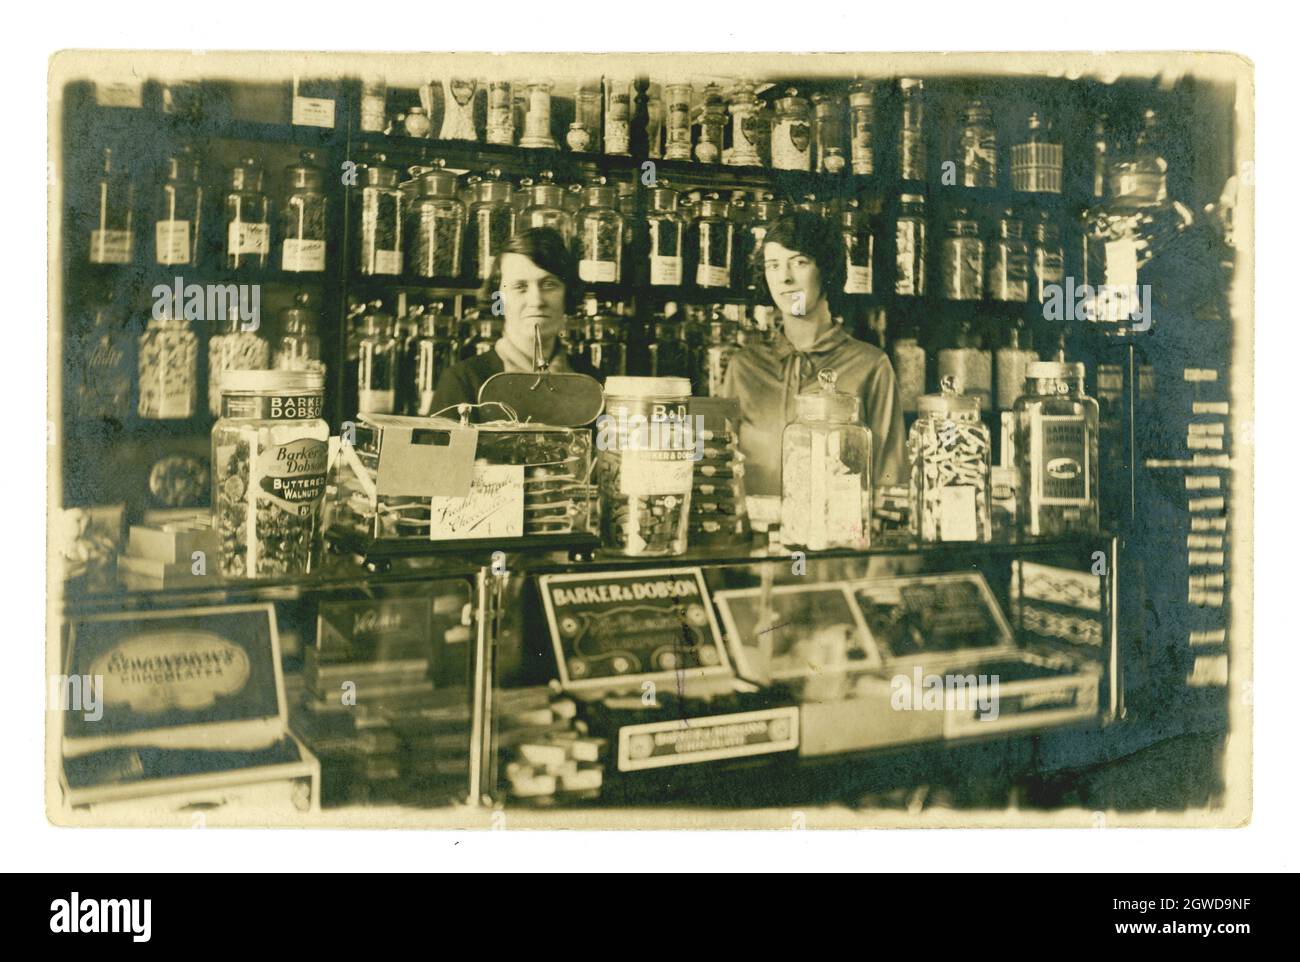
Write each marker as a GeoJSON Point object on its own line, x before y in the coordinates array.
{"type": "Point", "coordinates": [909, 246]}
{"type": "Point", "coordinates": [911, 133]}
{"type": "Point", "coordinates": [379, 247]}
{"type": "Point", "coordinates": [961, 260]}
{"type": "Point", "coordinates": [667, 229]}
{"type": "Point", "coordinates": [179, 212]}
{"type": "Point", "coordinates": [826, 471]}
{"type": "Point", "coordinates": [270, 450]}
{"type": "Point", "coordinates": [950, 462]}
{"type": "Point", "coordinates": [248, 230]}
{"type": "Point", "coordinates": [862, 114]}
{"type": "Point", "coordinates": [792, 133]}
{"type": "Point", "coordinates": [233, 348]}
{"type": "Point", "coordinates": [491, 222]}
{"type": "Point", "coordinates": [977, 147]}
{"type": "Point", "coordinates": [599, 235]}
{"type": "Point", "coordinates": [302, 219]}
{"type": "Point", "coordinates": [644, 467]}
{"type": "Point", "coordinates": [1008, 261]}
{"type": "Point", "coordinates": [1056, 451]}
{"type": "Point", "coordinates": [859, 250]}
{"type": "Point", "coordinates": [712, 244]}
{"type": "Point", "coordinates": [437, 225]}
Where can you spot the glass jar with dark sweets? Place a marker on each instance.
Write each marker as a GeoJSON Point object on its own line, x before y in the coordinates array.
{"type": "Point", "coordinates": [711, 243]}
{"type": "Point", "coordinates": [911, 133]}
{"type": "Point", "coordinates": [598, 238]}
{"type": "Point", "coordinates": [862, 114]}
{"type": "Point", "coordinates": [667, 229]}
{"type": "Point", "coordinates": [718, 347]}
{"type": "Point", "coordinates": [829, 114]}
{"type": "Point", "coordinates": [544, 207]}
{"type": "Point", "coordinates": [233, 348]}
{"type": "Point", "coordinates": [248, 228]}
{"type": "Point", "coordinates": [103, 373]}
{"type": "Point", "coordinates": [859, 249]}
{"type": "Point", "coordinates": [379, 220]}
{"type": "Point", "coordinates": [179, 211]}
{"type": "Point", "coordinates": [112, 237]}
{"type": "Point", "coordinates": [168, 368]}
{"type": "Point", "coordinates": [491, 222]}
{"type": "Point", "coordinates": [792, 133]}
{"type": "Point", "coordinates": [826, 471]}
{"type": "Point", "coordinates": [429, 354]}
{"type": "Point", "coordinates": [603, 340]}
{"type": "Point", "coordinates": [500, 116]}
{"type": "Point", "coordinates": [1056, 450]}
{"type": "Point", "coordinates": [909, 369]}
{"type": "Point", "coordinates": [670, 355]}
{"type": "Point", "coordinates": [713, 120]}
{"type": "Point", "coordinates": [950, 455]}
{"type": "Point", "coordinates": [1049, 257]}
{"type": "Point", "coordinates": [377, 362]}
{"type": "Point", "coordinates": [298, 346]}
{"type": "Point", "coordinates": [437, 225]}
{"type": "Point", "coordinates": [302, 219]}
{"type": "Point", "coordinates": [270, 451]}
{"type": "Point", "coordinates": [977, 147]}
{"type": "Point", "coordinates": [1036, 162]}
{"type": "Point", "coordinates": [961, 260]}
{"type": "Point", "coordinates": [1008, 261]}
{"type": "Point", "coordinates": [909, 246]}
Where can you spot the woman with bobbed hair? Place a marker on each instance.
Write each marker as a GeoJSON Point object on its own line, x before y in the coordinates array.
{"type": "Point", "coordinates": [803, 264]}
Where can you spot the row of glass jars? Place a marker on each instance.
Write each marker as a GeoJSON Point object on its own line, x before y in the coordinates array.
{"type": "Point", "coordinates": [246, 229]}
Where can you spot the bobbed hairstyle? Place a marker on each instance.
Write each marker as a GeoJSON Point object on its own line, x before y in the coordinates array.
{"type": "Point", "coordinates": [545, 247]}
{"type": "Point", "coordinates": [817, 238]}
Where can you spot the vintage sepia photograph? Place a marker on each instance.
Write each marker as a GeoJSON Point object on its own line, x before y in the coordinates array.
{"type": "Point", "coordinates": [650, 441]}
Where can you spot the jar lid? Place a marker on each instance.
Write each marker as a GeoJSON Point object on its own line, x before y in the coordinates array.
{"type": "Point", "coordinates": [663, 197]}
{"type": "Point", "coordinates": [183, 165]}
{"type": "Point", "coordinates": [301, 315]}
{"type": "Point", "coordinates": [792, 102]}
{"type": "Point", "coordinates": [713, 206]}
{"type": "Point", "coordinates": [912, 199]}
{"type": "Point", "coordinates": [647, 387]}
{"type": "Point", "coordinates": [826, 402]}
{"type": "Point", "coordinates": [306, 175]}
{"type": "Point", "coordinates": [949, 401]}
{"type": "Point", "coordinates": [246, 175]}
{"type": "Point", "coordinates": [256, 382]}
{"type": "Point", "coordinates": [600, 195]}
{"type": "Point", "coordinates": [1054, 370]}
{"type": "Point", "coordinates": [436, 182]}
{"type": "Point", "coordinates": [853, 216]}
{"type": "Point", "coordinates": [378, 174]}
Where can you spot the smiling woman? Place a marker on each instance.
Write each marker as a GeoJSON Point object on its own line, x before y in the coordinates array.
{"type": "Point", "coordinates": [803, 267]}
{"type": "Point", "coordinates": [534, 283]}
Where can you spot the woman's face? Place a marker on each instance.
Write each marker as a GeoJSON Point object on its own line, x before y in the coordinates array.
{"type": "Point", "coordinates": [533, 298]}
{"type": "Point", "coordinates": [793, 279]}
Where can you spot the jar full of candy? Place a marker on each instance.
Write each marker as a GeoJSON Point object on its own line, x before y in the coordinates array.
{"type": "Point", "coordinates": [950, 457]}
{"type": "Point", "coordinates": [1056, 449]}
{"type": "Point", "coordinates": [826, 471]}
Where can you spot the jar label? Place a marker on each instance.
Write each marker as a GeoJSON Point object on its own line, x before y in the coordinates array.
{"type": "Point", "coordinates": [909, 258]}
{"type": "Point", "coordinates": [857, 280]}
{"type": "Point", "coordinates": [376, 402]}
{"type": "Point", "coordinates": [286, 484]}
{"type": "Point", "coordinates": [665, 270]}
{"type": "Point", "coordinates": [645, 473]}
{"type": "Point", "coordinates": [277, 407]}
{"type": "Point", "coordinates": [956, 509]}
{"type": "Point", "coordinates": [862, 153]}
{"type": "Point", "coordinates": [110, 247]}
{"type": "Point", "coordinates": [790, 146]}
{"type": "Point", "coordinates": [1059, 460]}
{"type": "Point", "coordinates": [388, 262]}
{"type": "Point", "coordinates": [304, 255]}
{"type": "Point", "coordinates": [706, 276]}
{"type": "Point", "coordinates": [247, 238]}
{"type": "Point", "coordinates": [172, 241]}
{"type": "Point", "coordinates": [313, 112]}
{"type": "Point", "coordinates": [598, 272]}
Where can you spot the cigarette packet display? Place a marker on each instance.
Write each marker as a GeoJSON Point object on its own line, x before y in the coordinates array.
{"type": "Point", "coordinates": [718, 515]}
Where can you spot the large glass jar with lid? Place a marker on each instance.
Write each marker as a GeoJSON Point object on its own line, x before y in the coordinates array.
{"type": "Point", "coordinates": [1048, 258]}
{"type": "Point", "coordinates": [248, 228]}
{"type": "Point", "coordinates": [544, 207]}
{"type": "Point", "coordinates": [270, 451]}
{"type": "Point", "coordinates": [302, 220]}
{"type": "Point", "coordinates": [764, 212]}
{"type": "Point", "coordinates": [598, 240]}
{"type": "Point", "coordinates": [859, 249]}
{"type": "Point", "coordinates": [379, 220]}
{"type": "Point", "coordinates": [1008, 261]}
{"type": "Point", "coordinates": [968, 364]}
{"type": "Point", "coordinates": [744, 107]}
{"type": "Point", "coordinates": [104, 355]}
{"type": "Point", "coordinates": [298, 346]}
{"type": "Point", "coordinates": [909, 246]}
{"type": "Point", "coordinates": [377, 363]}
{"type": "Point", "coordinates": [711, 243]}
{"type": "Point", "coordinates": [862, 121]}
{"type": "Point", "coordinates": [829, 114]}
{"type": "Point", "coordinates": [537, 116]}
{"type": "Point", "coordinates": [491, 222]}
{"type": "Point", "coordinates": [1139, 178]}
{"type": "Point", "coordinates": [949, 455]}
{"type": "Point", "coordinates": [826, 471]}
{"type": "Point", "coordinates": [168, 368]}
{"type": "Point", "coordinates": [667, 227]}
{"type": "Point", "coordinates": [713, 120]}
{"type": "Point", "coordinates": [618, 115]}
{"type": "Point", "coordinates": [179, 211]}
{"type": "Point", "coordinates": [437, 225]}
{"type": "Point", "coordinates": [233, 348]}
{"type": "Point", "coordinates": [112, 236]}
{"type": "Point", "coordinates": [1036, 162]}
{"type": "Point", "coordinates": [977, 147]}
{"type": "Point", "coordinates": [792, 133]}
{"type": "Point", "coordinates": [1056, 452]}
{"type": "Point", "coordinates": [911, 132]}
{"type": "Point", "coordinates": [961, 259]}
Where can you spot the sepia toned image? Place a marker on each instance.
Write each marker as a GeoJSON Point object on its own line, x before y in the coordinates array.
{"type": "Point", "coordinates": [650, 441]}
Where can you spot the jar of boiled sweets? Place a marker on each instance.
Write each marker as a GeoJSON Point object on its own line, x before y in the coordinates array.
{"type": "Point", "coordinates": [949, 454]}
{"type": "Point", "coordinates": [712, 243]}
{"type": "Point", "coordinates": [1036, 163]}
{"type": "Point", "coordinates": [379, 251]}
{"type": "Point", "coordinates": [491, 222]}
{"type": "Point", "coordinates": [1056, 451]}
{"type": "Point", "coordinates": [909, 246]}
{"type": "Point", "coordinates": [792, 133]}
{"type": "Point", "coordinates": [764, 212]}
{"type": "Point", "coordinates": [168, 368]}
{"type": "Point", "coordinates": [233, 348]}
{"type": "Point", "coordinates": [1048, 258]}
{"type": "Point", "coordinates": [544, 206]}
{"type": "Point", "coordinates": [270, 449]}
{"type": "Point", "coordinates": [248, 232]}
{"type": "Point", "coordinates": [299, 347]}
{"type": "Point", "coordinates": [645, 465]}
{"type": "Point", "coordinates": [302, 220]}
{"type": "Point", "coordinates": [667, 228]}
{"type": "Point", "coordinates": [1008, 261]}
{"type": "Point", "coordinates": [437, 225]}
{"type": "Point", "coordinates": [826, 471]}
{"type": "Point", "coordinates": [178, 224]}
{"type": "Point", "coordinates": [961, 260]}
{"type": "Point", "coordinates": [599, 235]}
{"type": "Point", "coordinates": [977, 147]}
{"type": "Point", "coordinates": [859, 249]}
{"type": "Point", "coordinates": [862, 116]}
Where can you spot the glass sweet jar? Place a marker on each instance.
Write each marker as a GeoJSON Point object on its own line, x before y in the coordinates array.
{"type": "Point", "coordinates": [1056, 452]}
{"type": "Point", "coordinates": [667, 227]}
{"type": "Point", "coordinates": [491, 222]}
{"type": "Point", "coordinates": [826, 471]}
{"type": "Point", "coordinates": [598, 240]}
{"type": "Point", "coordinates": [302, 218]}
{"type": "Point", "coordinates": [380, 202]}
{"type": "Point", "coordinates": [949, 454]}
{"type": "Point", "coordinates": [437, 225]}
{"type": "Point", "coordinates": [545, 206]}
{"type": "Point", "coordinates": [792, 133]}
